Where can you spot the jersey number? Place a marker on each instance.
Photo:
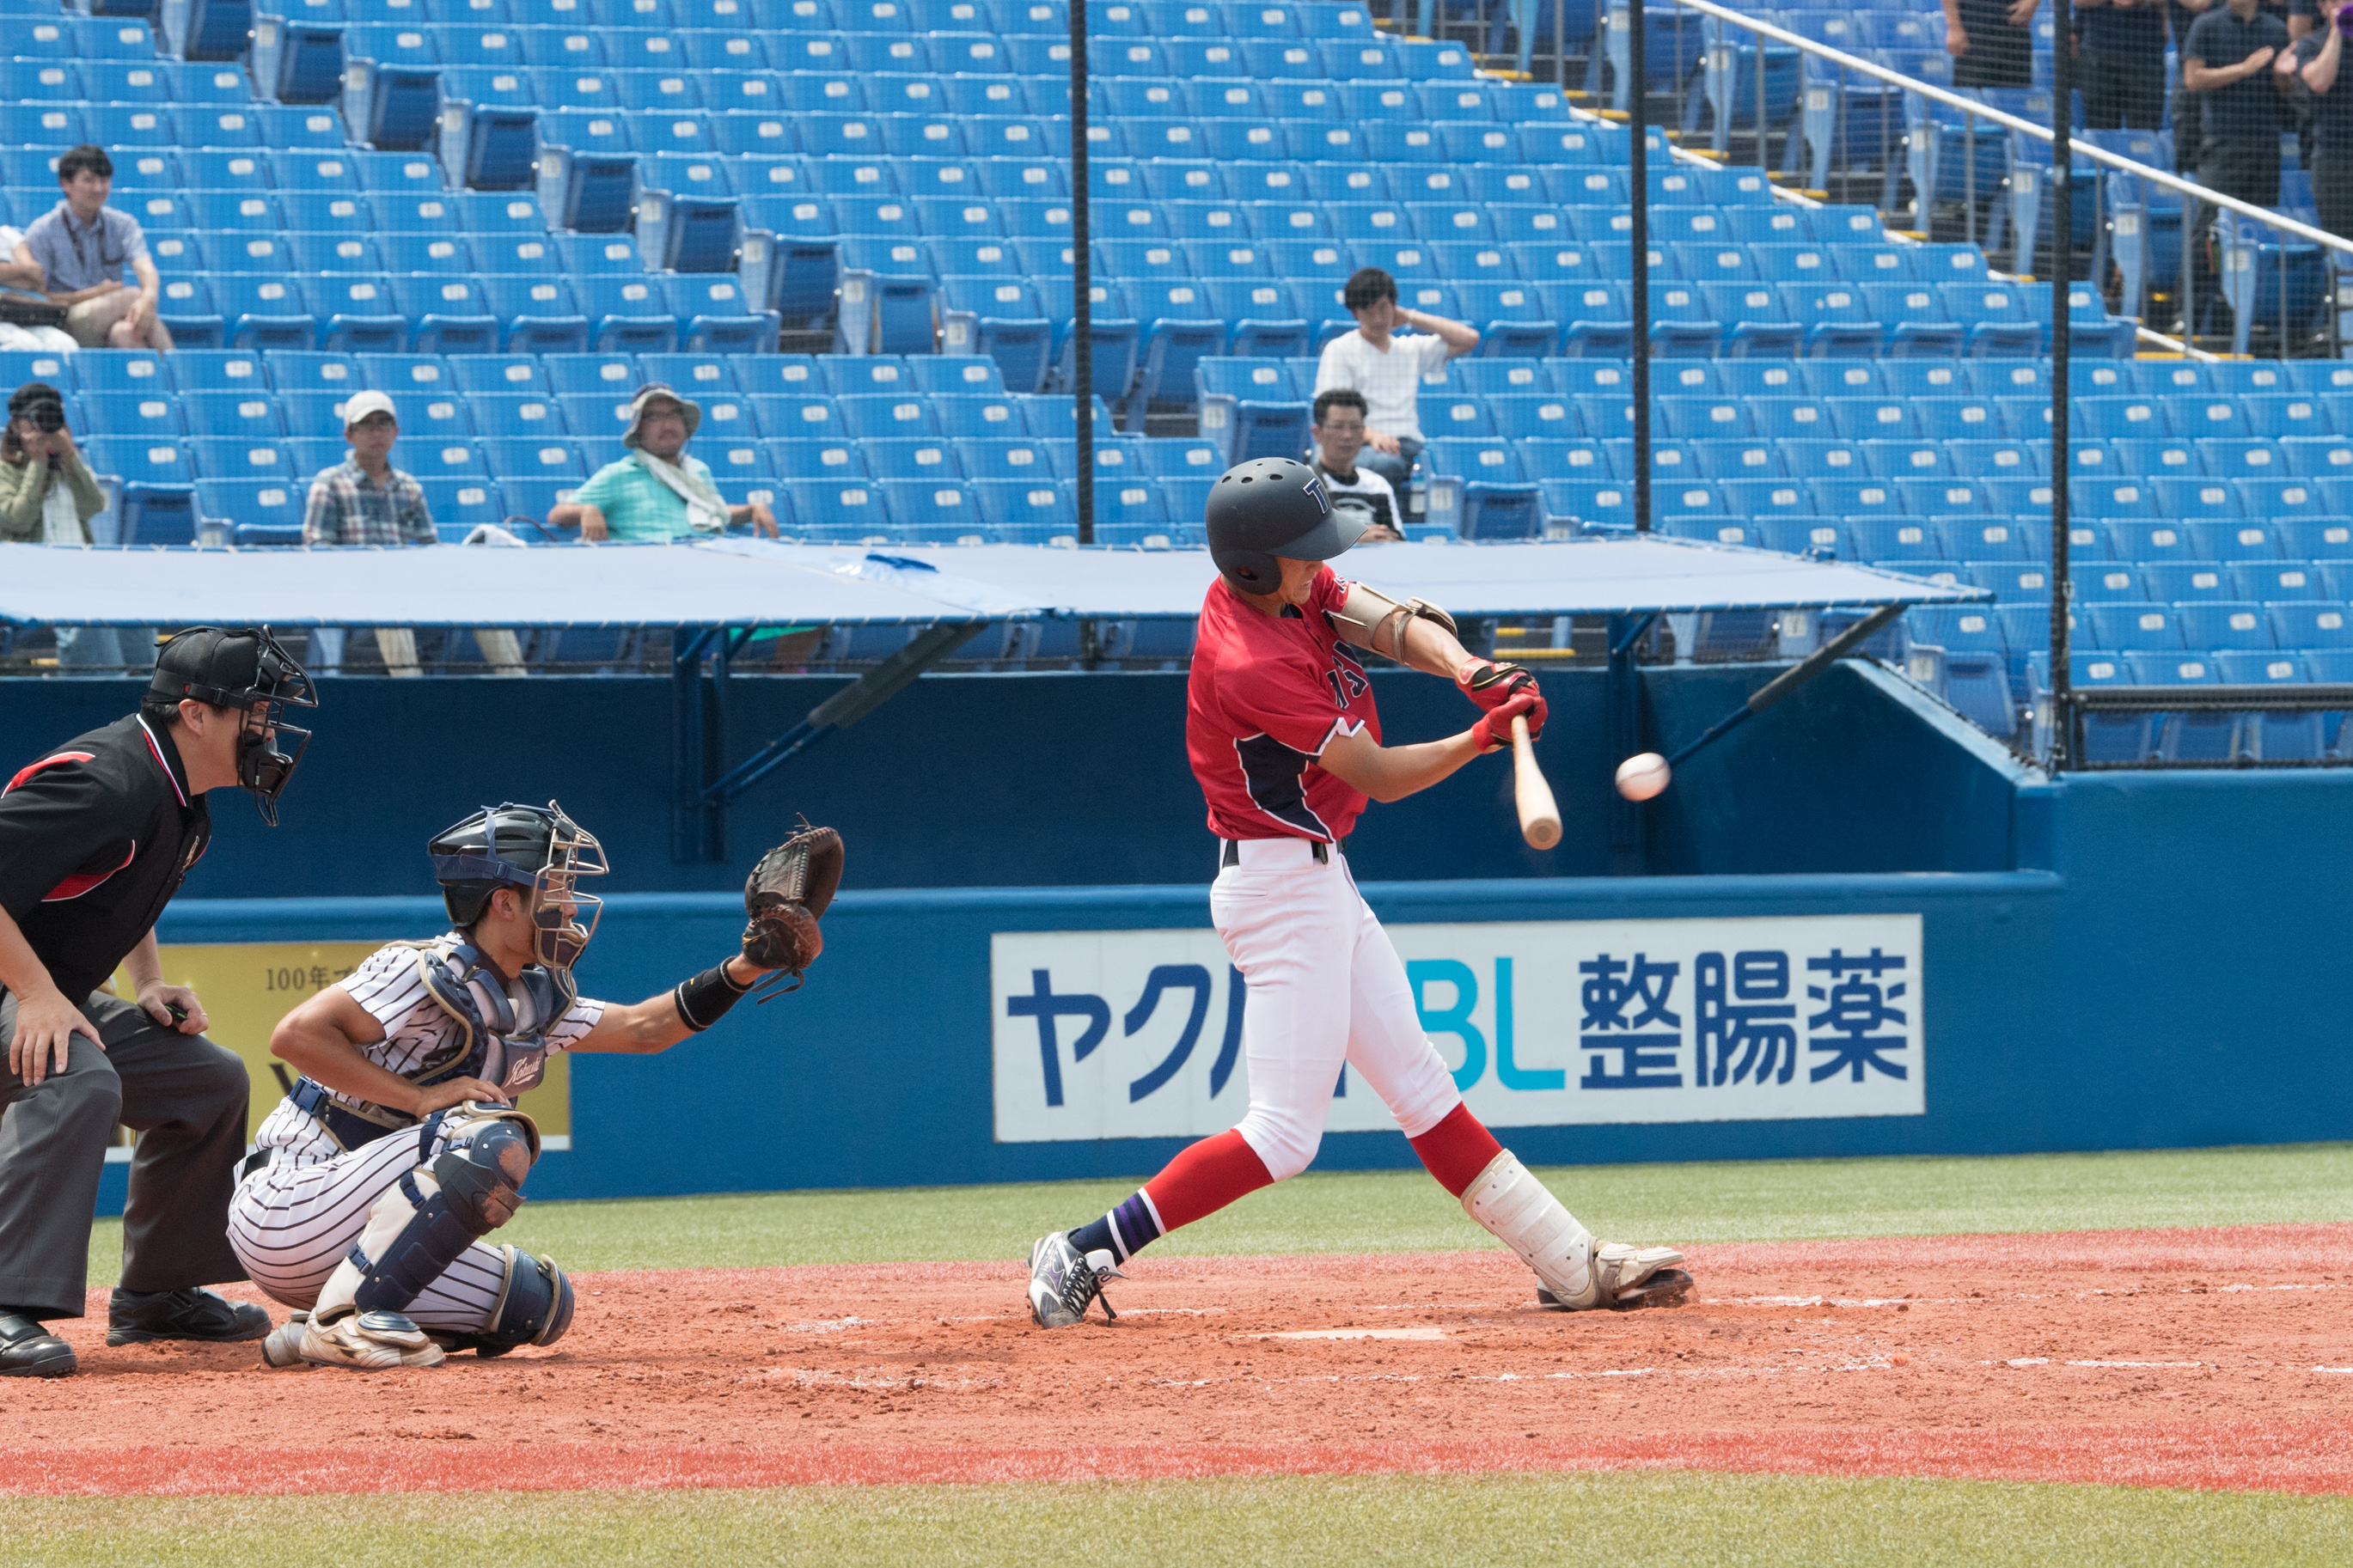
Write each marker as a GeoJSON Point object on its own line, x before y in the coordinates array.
{"type": "Point", "coordinates": [1346, 684]}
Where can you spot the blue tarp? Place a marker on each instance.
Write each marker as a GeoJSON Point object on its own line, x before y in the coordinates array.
{"type": "Point", "coordinates": [741, 581]}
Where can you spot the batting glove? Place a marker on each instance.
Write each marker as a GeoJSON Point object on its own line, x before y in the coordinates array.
{"type": "Point", "coordinates": [1493, 729]}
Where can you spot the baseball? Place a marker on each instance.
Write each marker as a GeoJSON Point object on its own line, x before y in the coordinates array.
{"type": "Point", "coordinates": [1643, 775]}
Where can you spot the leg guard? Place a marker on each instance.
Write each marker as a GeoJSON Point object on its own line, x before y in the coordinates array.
{"type": "Point", "coordinates": [1574, 1273]}
{"type": "Point", "coordinates": [534, 1309]}
{"type": "Point", "coordinates": [418, 1227]}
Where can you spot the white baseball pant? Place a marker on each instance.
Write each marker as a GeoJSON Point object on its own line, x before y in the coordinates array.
{"type": "Point", "coordinates": [289, 1226]}
{"type": "Point", "coordinates": [1325, 988]}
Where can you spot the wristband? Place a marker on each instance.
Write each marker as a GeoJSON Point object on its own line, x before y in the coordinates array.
{"type": "Point", "coordinates": [704, 1000]}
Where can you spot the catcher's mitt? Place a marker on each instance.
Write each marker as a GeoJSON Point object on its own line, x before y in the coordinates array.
{"type": "Point", "coordinates": [785, 896]}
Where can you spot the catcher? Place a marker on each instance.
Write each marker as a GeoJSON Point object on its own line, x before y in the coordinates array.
{"type": "Point", "coordinates": [402, 1148]}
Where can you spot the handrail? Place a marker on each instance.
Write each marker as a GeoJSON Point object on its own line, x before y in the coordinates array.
{"type": "Point", "coordinates": [1986, 111]}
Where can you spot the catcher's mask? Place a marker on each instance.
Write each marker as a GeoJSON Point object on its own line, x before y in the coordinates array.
{"type": "Point", "coordinates": [531, 847]}
{"type": "Point", "coordinates": [245, 669]}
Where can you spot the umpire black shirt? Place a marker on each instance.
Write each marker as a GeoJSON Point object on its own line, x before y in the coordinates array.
{"type": "Point", "coordinates": [95, 837]}
{"type": "Point", "coordinates": [2247, 113]}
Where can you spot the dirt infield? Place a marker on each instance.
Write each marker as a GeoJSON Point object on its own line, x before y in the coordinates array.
{"type": "Point", "coordinates": [2205, 1358]}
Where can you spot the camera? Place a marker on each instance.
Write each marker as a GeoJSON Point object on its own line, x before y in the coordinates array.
{"type": "Point", "coordinates": [48, 415]}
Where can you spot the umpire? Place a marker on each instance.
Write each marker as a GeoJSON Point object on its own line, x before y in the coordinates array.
{"type": "Point", "coordinates": [95, 837]}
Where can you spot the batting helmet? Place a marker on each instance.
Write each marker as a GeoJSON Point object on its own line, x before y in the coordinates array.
{"type": "Point", "coordinates": [1270, 508]}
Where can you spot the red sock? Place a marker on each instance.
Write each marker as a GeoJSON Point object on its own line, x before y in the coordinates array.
{"type": "Point", "coordinates": [1457, 1150]}
{"type": "Point", "coordinates": [1205, 1178]}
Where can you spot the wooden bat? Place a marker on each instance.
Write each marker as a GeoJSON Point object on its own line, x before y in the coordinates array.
{"type": "Point", "coordinates": [1540, 816]}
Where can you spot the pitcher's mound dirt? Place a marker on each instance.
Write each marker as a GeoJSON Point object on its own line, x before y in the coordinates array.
{"type": "Point", "coordinates": [2208, 1358]}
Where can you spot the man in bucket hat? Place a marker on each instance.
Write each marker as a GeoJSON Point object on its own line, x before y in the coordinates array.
{"type": "Point", "coordinates": [656, 492]}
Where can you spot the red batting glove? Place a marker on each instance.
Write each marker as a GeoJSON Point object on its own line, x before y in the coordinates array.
{"type": "Point", "coordinates": [1493, 729]}
{"type": "Point", "coordinates": [1491, 685]}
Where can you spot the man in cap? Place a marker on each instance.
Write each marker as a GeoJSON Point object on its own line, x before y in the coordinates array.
{"type": "Point", "coordinates": [363, 500]}
{"type": "Point", "coordinates": [656, 492]}
{"type": "Point", "coordinates": [96, 836]}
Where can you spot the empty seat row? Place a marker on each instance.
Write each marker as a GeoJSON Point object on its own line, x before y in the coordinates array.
{"type": "Point", "coordinates": [54, 127]}
{"type": "Point", "coordinates": [57, 79]}
{"type": "Point", "coordinates": [201, 370]}
{"type": "Point", "coordinates": [1105, 19]}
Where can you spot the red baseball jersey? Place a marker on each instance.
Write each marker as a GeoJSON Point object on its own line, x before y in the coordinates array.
{"type": "Point", "coordinates": [1266, 697]}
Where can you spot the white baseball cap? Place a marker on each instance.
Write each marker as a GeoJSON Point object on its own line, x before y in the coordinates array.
{"type": "Point", "coordinates": [361, 405]}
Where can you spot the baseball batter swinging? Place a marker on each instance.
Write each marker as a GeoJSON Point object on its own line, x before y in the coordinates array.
{"type": "Point", "coordinates": [401, 1147]}
{"type": "Point", "coordinates": [1282, 733]}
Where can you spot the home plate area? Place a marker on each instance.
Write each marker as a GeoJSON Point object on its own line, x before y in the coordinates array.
{"type": "Point", "coordinates": [2188, 1358]}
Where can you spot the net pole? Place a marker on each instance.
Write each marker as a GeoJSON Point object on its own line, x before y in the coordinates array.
{"type": "Point", "coordinates": [1082, 336]}
{"type": "Point", "coordinates": [1638, 193]}
{"type": "Point", "coordinates": [2063, 248]}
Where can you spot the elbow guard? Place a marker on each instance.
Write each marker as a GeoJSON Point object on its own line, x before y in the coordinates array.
{"type": "Point", "coordinates": [1371, 617]}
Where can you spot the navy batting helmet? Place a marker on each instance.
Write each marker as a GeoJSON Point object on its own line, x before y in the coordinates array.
{"type": "Point", "coordinates": [1271, 507]}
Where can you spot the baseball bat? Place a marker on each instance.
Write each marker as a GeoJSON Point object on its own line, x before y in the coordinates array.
{"type": "Point", "coordinates": [1540, 816]}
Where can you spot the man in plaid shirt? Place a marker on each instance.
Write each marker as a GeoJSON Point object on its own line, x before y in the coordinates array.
{"type": "Point", "coordinates": [363, 500]}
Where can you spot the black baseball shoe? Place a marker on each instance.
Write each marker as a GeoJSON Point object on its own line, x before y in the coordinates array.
{"type": "Point", "coordinates": [135, 1316]}
{"type": "Point", "coordinates": [1063, 1284]}
{"type": "Point", "coordinates": [28, 1349]}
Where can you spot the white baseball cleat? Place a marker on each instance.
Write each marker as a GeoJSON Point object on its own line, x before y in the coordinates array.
{"type": "Point", "coordinates": [283, 1348]}
{"type": "Point", "coordinates": [368, 1341]}
{"type": "Point", "coordinates": [1063, 1283]}
{"type": "Point", "coordinates": [1624, 1278]}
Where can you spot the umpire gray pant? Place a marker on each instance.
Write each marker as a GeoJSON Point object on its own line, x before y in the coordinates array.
{"type": "Point", "coordinates": [187, 1099]}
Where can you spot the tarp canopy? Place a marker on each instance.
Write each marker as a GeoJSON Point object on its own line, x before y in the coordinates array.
{"type": "Point", "coordinates": [746, 582]}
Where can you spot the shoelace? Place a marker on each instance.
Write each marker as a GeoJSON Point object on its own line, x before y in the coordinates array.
{"type": "Point", "coordinates": [1081, 1285]}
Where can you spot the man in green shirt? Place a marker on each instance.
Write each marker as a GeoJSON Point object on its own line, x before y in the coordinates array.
{"type": "Point", "coordinates": [656, 494]}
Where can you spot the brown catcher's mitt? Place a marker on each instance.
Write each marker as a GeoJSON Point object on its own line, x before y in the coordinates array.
{"type": "Point", "coordinates": [785, 896]}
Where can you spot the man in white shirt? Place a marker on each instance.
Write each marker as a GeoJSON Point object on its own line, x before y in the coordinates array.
{"type": "Point", "coordinates": [25, 277]}
{"type": "Point", "coordinates": [1389, 370]}
{"type": "Point", "coordinates": [1339, 443]}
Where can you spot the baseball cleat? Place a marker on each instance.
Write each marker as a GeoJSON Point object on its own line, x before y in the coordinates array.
{"type": "Point", "coordinates": [1063, 1283]}
{"type": "Point", "coordinates": [1625, 1278]}
{"type": "Point", "coordinates": [368, 1341]}
{"type": "Point", "coordinates": [283, 1348]}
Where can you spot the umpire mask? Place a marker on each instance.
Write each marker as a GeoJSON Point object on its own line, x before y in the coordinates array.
{"type": "Point", "coordinates": [249, 669]}
{"type": "Point", "coordinates": [532, 849]}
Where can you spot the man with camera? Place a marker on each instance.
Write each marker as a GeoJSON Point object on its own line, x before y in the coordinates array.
{"type": "Point", "coordinates": [83, 246]}
{"type": "Point", "coordinates": [2316, 65]}
{"type": "Point", "coordinates": [48, 495]}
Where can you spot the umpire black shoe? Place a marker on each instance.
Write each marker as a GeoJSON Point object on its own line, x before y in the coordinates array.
{"type": "Point", "coordinates": [135, 1316]}
{"type": "Point", "coordinates": [28, 1349]}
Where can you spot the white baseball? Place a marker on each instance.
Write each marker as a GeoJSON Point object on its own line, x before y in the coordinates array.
{"type": "Point", "coordinates": [1643, 776]}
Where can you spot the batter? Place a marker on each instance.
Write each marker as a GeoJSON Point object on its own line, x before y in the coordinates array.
{"type": "Point", "coordinates": [1282, 733]}
{"type": "Point", "coordinates": [375, 1181]}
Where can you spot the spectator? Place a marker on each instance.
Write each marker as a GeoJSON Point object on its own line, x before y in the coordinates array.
{"type": "Point", "coordinates": [2180, 15]}
{"type": "Point", "coordinates": [48, 495]}
{"type": "Point", "coordinates": [2226, 63]}
{"type": "Point", "coordinates": [1389, 370]}
{"type": "Point", "coordinates": [1339, 437]}
{"type": "Point", "coordinates": [23, 279]}
{"type": "Point", "coordinates": [2315, 64]}
{"type": "Point", "coordinates": [1991, 42]}
{"type": "Point", "coordinates": [2122, 64]}
{"type": "Point", "coordinates": [656, 492]}
{"type": "Point", "coordinates": [363, 500]}
{"type": "Point", "coordinates": [82, 246]}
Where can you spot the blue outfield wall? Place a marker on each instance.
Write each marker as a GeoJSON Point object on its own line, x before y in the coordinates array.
{"type": "Point", "coordinates": [2111, 960]}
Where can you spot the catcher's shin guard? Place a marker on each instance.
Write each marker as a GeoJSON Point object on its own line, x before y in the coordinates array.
{"type": "Point", "coordinates": [534, 1309]}
{"type": "Point", "coordinates": [420, 1225]}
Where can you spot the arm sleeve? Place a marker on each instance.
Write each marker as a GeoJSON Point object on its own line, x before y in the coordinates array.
{"type": "Point", "coordinates": [416, 516]}
{"type": "Point", "coordinates": [321, 518]}
{"type": "Point", "coordinates": [135, 239]}
{"type": "Point", "coordinates": [574, 1026]}
{"type": "Point", "coordinates": [1331, 375]}
{"type": "Point", "coordinates": [388, 985]}
{"type": "Point", "coordinates": [89, 500]}
{"type": "Point", "coordinates": [21, 489]}
{"type": "Point", "coordinates": [55, 822]}
{"type": "Point", "coordinates": [601, 490]}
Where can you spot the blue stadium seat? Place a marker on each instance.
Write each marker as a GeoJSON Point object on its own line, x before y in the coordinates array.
{"type": "Point", "coordinates": [533, 458]}
{"type": "Point", "coordinates": [538, 312]}
{"type": "Point", "coordinates": [493, 374]}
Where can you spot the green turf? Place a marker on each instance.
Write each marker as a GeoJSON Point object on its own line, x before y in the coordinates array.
{"type": "Point", "coordinates": [1479, 1520]}
{"type": "Point", "coordinates": [1404, 1210]}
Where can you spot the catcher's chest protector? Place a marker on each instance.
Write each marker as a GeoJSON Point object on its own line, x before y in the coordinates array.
{"type": "Point", "coordinates": [493, 1043]}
